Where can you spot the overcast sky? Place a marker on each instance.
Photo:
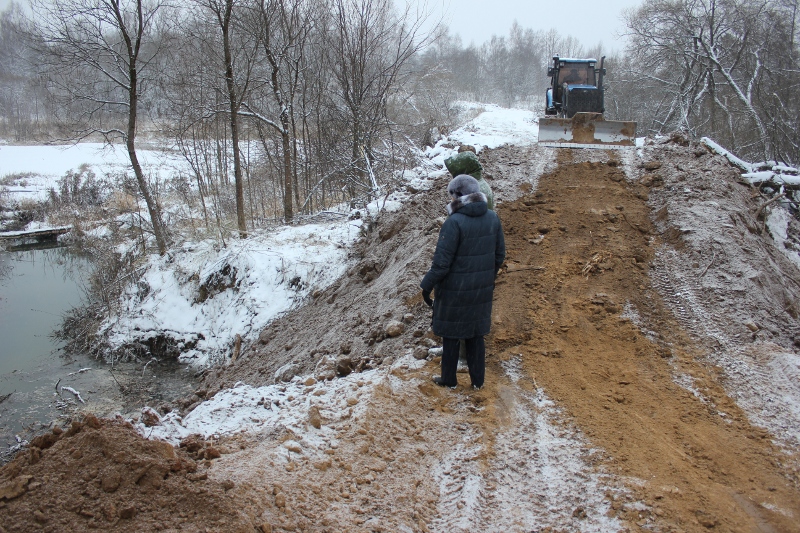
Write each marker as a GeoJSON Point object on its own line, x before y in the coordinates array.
{"type": "Point", "coordinates": [590, 21]}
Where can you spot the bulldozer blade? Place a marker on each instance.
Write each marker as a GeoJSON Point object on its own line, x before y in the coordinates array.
{"type": "Point", "coordinates": [586, 130]}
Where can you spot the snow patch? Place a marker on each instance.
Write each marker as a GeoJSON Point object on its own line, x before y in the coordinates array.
{"type": "Point", "coordinates": [31, 171]}
{"type": "Point", "coordinates": [778, 221]}
{"type": "Point", "coordinates": [247, 409]}
{"type": "Point", "coordinates": [202, 296]}
{"type": "Point", "coordinates": [497, 126]}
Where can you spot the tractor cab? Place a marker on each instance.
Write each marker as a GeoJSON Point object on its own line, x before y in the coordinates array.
{"type": "Point", "coordinates": [577, 78]}
{"type": "Point", "coordinates": [575, 72]}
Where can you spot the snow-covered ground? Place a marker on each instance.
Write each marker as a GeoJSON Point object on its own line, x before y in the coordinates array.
{"type": "Point", "coordinates": [202, 295]}
{"type": "Point", "coordinates": [29, 172]}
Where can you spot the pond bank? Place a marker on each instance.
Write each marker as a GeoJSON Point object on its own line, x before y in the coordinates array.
{"type": "Point", "coordinates": [40, 385]}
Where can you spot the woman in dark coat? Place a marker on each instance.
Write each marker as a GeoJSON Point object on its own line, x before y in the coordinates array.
{"type": "Point", "coordinates": [468, 255]}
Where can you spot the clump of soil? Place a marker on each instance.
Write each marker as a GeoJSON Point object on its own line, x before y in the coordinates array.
{"type": "Point", "coordinates": [100, 474]}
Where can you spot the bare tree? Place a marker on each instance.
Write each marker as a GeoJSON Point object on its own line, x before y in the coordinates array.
{"type": "Point", "coordinates": [281, 27]}
{"type": "Point", "coordinates": [22, 101]}
{"type": "Point", "coordinates": [713, 61]}
{"type": "Point", "coordinates": [370, 47]}
{"type": "Point", "coordinates": [237, 79]}
{"type": "Point", "coordinates": [100, 52]}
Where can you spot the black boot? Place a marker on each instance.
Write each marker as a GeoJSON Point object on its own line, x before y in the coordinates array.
{"type": "Point", "coordinates": [438, 380]}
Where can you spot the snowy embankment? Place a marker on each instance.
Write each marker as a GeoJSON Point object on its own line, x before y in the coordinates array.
{"type": "Point", "coordinates": [201, 296]}
{"type": "Point", "coordinates": [263, 276]}
{"type": "Point", "coordinates": [198, 298]}
{"type": "Point", "coordinates": [298, 406]}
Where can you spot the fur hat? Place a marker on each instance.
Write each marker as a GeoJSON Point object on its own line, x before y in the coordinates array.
{"type": "Point", "coordinates": [463, 185]}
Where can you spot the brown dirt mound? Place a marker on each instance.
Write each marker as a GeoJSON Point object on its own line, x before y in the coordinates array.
{"type": "Point", "coordinates": [100, 474]}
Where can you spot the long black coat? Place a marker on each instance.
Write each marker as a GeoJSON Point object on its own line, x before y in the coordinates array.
{"type": "Point", "coordinates": [469, 252]}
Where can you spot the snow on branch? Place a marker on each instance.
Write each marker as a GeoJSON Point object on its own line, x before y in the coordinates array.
{"type": "Point", "coordinates": [717, 149]}
{"type": "Point", "coordinates": [766, 173]}
{"type": "Point", "coordinates": [73, 391]}
{"type": "Point", "coordinates": [773, 178]}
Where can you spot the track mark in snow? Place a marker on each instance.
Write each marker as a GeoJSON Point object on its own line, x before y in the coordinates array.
{"type": "Point", "coordinates": [682, 294]}
{"type": "Point", "coordinates": [762, 377]}
{"type": "Point", "coordinates": [721, 294]}
{"type": "Point", "coordinates": [539, 474]}
{"type": "Point", "coordinates": [513, 368]}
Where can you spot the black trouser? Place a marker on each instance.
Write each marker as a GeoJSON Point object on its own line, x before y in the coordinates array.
{"type": "Point", "coordinates": [476, 360]}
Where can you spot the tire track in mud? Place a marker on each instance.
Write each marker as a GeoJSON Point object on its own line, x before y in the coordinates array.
{"type": "Point", "coordinates": [681, 293]}
{"type": "Point", "coordinates": [772, 404]}
{"type": "Point", "coordinates": [577, 305]}
{"type": "Point", "coordinates": [536, 472]}
{"type": "Point", "coordinates": [727, 283]}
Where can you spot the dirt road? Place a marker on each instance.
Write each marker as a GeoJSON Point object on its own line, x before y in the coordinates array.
{"type": "Point", "coordinates": [607, 405]}
{"type": "Point", "coordinates": [576, 307]}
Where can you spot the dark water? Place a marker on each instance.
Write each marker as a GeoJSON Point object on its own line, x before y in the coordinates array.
{"type": "Point", "coordinates": [36, 288]}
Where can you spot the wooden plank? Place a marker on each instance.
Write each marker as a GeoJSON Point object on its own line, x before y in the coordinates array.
{"type": "Point", "coordinates": [35, 234]}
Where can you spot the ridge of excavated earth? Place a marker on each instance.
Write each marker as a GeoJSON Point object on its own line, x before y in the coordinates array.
{"type": "Point", "coordinates": [641, 375]}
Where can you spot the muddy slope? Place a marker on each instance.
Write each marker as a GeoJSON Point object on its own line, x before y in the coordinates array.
{"type": "Point", "coordinates": [350, 318]}
{"type": "Point", "coordinates": [101, 475]}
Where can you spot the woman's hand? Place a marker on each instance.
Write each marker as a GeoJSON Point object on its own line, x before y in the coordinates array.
{"type": "Point", "coordinates": [426, 295]}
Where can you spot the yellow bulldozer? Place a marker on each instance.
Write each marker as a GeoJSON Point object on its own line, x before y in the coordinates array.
{"type": "Point", "coordinates": [575, 105]}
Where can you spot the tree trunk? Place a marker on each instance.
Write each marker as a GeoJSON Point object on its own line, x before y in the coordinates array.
{"type": "Point", "coordinates": [234, 108]}
{"type": "Point", "coordinates": [287, 169]}
{"type": "Point", "coordinates": [152, 206]}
